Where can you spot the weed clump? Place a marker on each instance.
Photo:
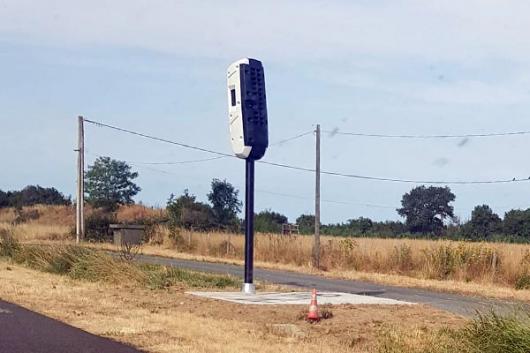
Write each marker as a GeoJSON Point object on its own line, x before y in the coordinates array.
{"type": "Point", "coordinates": [159, 277]}
{"type": "Point", "coordinates": [93, 265]}
{"type": "Point", "coordinates": [523, 281]}
{"type": "Point", "coordinates": [487, 333]}
{"type": "Point", "coordinates": [9, 246]}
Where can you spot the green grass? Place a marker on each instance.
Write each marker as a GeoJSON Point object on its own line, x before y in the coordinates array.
{"type": "Point", "coordinates": [492, 333]}
{"type": "Point", "coordinates": [163, 277]}
{"type": "Point", "coordinates": [93, 265]}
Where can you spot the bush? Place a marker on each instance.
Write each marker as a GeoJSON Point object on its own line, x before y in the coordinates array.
{"type": "Point", "coordinates": [188, 213]}
{"type": "Point", "coordinates": [269, 222]}
{"type": "Point", "coordinates": [517, 222]}
{"type": "Point", "coordinates": [97, 226]}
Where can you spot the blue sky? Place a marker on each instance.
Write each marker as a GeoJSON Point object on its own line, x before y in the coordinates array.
{"type": "Point", "coordinates": [390, 67]}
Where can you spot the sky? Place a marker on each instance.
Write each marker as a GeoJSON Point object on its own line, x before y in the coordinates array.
{"type": "Point", "coordinates": [381, 67]}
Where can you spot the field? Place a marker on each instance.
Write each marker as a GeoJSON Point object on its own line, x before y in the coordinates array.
{"type": "Point", "coordinates": [120, 300]}
{"type": "Point", "coordinates": [147, 306]}
{"type": "Point", "coordinates": [492, 269]}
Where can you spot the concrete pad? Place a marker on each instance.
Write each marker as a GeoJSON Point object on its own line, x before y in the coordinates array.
{"type": "Point", "coordinates": [297, 298]}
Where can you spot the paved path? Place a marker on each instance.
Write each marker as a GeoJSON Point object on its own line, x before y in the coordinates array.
{"type": "Point", "coordinates": [455, 303]}
{"type": "Point", "coordinates": [24, 331]}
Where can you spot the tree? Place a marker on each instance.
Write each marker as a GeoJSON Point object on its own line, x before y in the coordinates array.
{"type": "Point", "coordinates": [483, 223]}
{"type": "Point", "coordinates": [306, 223]}
{"type": "Point", "coordinates": [225, 204]}
{"type": "Point", "coordinates": [269, 222]}
{"type": "Point", "coordinates": [425, 209]}
{"type": "Point", "coordinates": [33, 195]}
{"type": "Point", "coordinates": [109, 183]}
{"type": "Point", "coordinates": [360, 225]}
{"type": "Point", "coordinates": [517, 222]}
{"type": "Point", "coordinates": [188, 213]}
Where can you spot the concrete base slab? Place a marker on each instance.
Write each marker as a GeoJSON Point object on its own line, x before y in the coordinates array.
{"type": "Point", "coordinates": [297, 298]}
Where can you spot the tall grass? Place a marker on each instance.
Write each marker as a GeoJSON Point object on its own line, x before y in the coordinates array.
{"type": "Point", "coordinates": [485, 263]}
{"type": "Point", "coordinates": [487, 333]}
{"type": "Point", "coordinates": [94, 265]}
{"type": "Point", "coordinates": [499, 264]}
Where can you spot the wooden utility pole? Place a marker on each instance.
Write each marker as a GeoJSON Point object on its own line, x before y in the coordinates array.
{"type": "Point", "coordinates": [316, 242]}
{"type": "Point", "coordinates": [80, 207]}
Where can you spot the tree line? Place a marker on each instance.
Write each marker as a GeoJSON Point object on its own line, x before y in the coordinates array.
{"type": "Point", "coordinates": [427, 211]}
{"type": "Point", "coordinates": [32, 195]}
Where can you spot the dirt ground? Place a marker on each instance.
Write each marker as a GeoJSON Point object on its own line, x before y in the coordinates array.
{"type": "Point", "coordinates": [172, 321]}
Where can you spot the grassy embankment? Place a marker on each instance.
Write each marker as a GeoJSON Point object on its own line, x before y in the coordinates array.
{"type": "Point", "coordinates": [492, 269]}
{"type": "Point", "coordinates": [145, 306]}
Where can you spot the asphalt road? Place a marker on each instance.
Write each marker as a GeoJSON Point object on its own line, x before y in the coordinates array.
{"type": "Point", "coordinates": [455, 303]}
{"type": "Point", "coordinates": [24, 331]}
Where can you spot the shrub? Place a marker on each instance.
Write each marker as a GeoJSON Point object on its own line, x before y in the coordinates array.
{"type": "Point", "coordinates": [188, 213]}
{"type": "Point", "coordinates": [97, 226]}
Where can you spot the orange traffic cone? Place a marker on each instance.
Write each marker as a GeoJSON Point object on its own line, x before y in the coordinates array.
{"type": "Point", "coordinates": [313, 314]}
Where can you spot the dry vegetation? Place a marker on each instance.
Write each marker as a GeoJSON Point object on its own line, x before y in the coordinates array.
{"type": "Point", "coordinates": [493, 269]}
{"type": "Point", "coordinates": [165, 319]}
{"type": "Point", "coordinates": [147, 306]}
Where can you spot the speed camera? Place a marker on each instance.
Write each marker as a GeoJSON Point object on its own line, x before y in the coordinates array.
{"type": "Point", "coordinates": [247, 109]}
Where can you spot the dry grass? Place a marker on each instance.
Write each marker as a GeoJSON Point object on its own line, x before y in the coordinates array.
{"type": "Point", "coordinates": [172, 321]}
{"type": "Point", "coordinates": [45, 223]}
{"type": "Point", "coordinates": [34, 231]}
{"type": "Point", "coordinates": [46, 215]}
{"type": "Point", "coordinates": [495, 264]}
{"type": "Point", "coordinates": [492, 269]}
{"type": "Point", "coordinates": [135, 213]}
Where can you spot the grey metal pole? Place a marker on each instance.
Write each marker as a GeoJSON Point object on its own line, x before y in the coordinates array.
{"type": "Point", "coordinates": [316, 240]}
{"type": "Point", "coordinates": [82, 172]}
{"type": "Point", "coordinates": [248, 286]}
{"type": "Point", "coordinates": [80, 219]}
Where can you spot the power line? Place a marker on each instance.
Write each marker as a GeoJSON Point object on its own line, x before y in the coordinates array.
{"type": "Point", "coordinates": [286, 166]}
{"type": "Point", "coordinates": [336, 132]}
{"type": "Point", "coordinates": [181, 162]}
{"type": "Point", "coordinates": [260, 190]}
{"type": "Point", "coordinates": [220, 154]}
{"type": "Point", "coordinates": [158, 138]}
{"type": "Point", "coordinates": [327, 201]}
{"type": "Point", "coordinates": [397, 180]}
{"type": "Point", "coordinates": [281, 142]}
